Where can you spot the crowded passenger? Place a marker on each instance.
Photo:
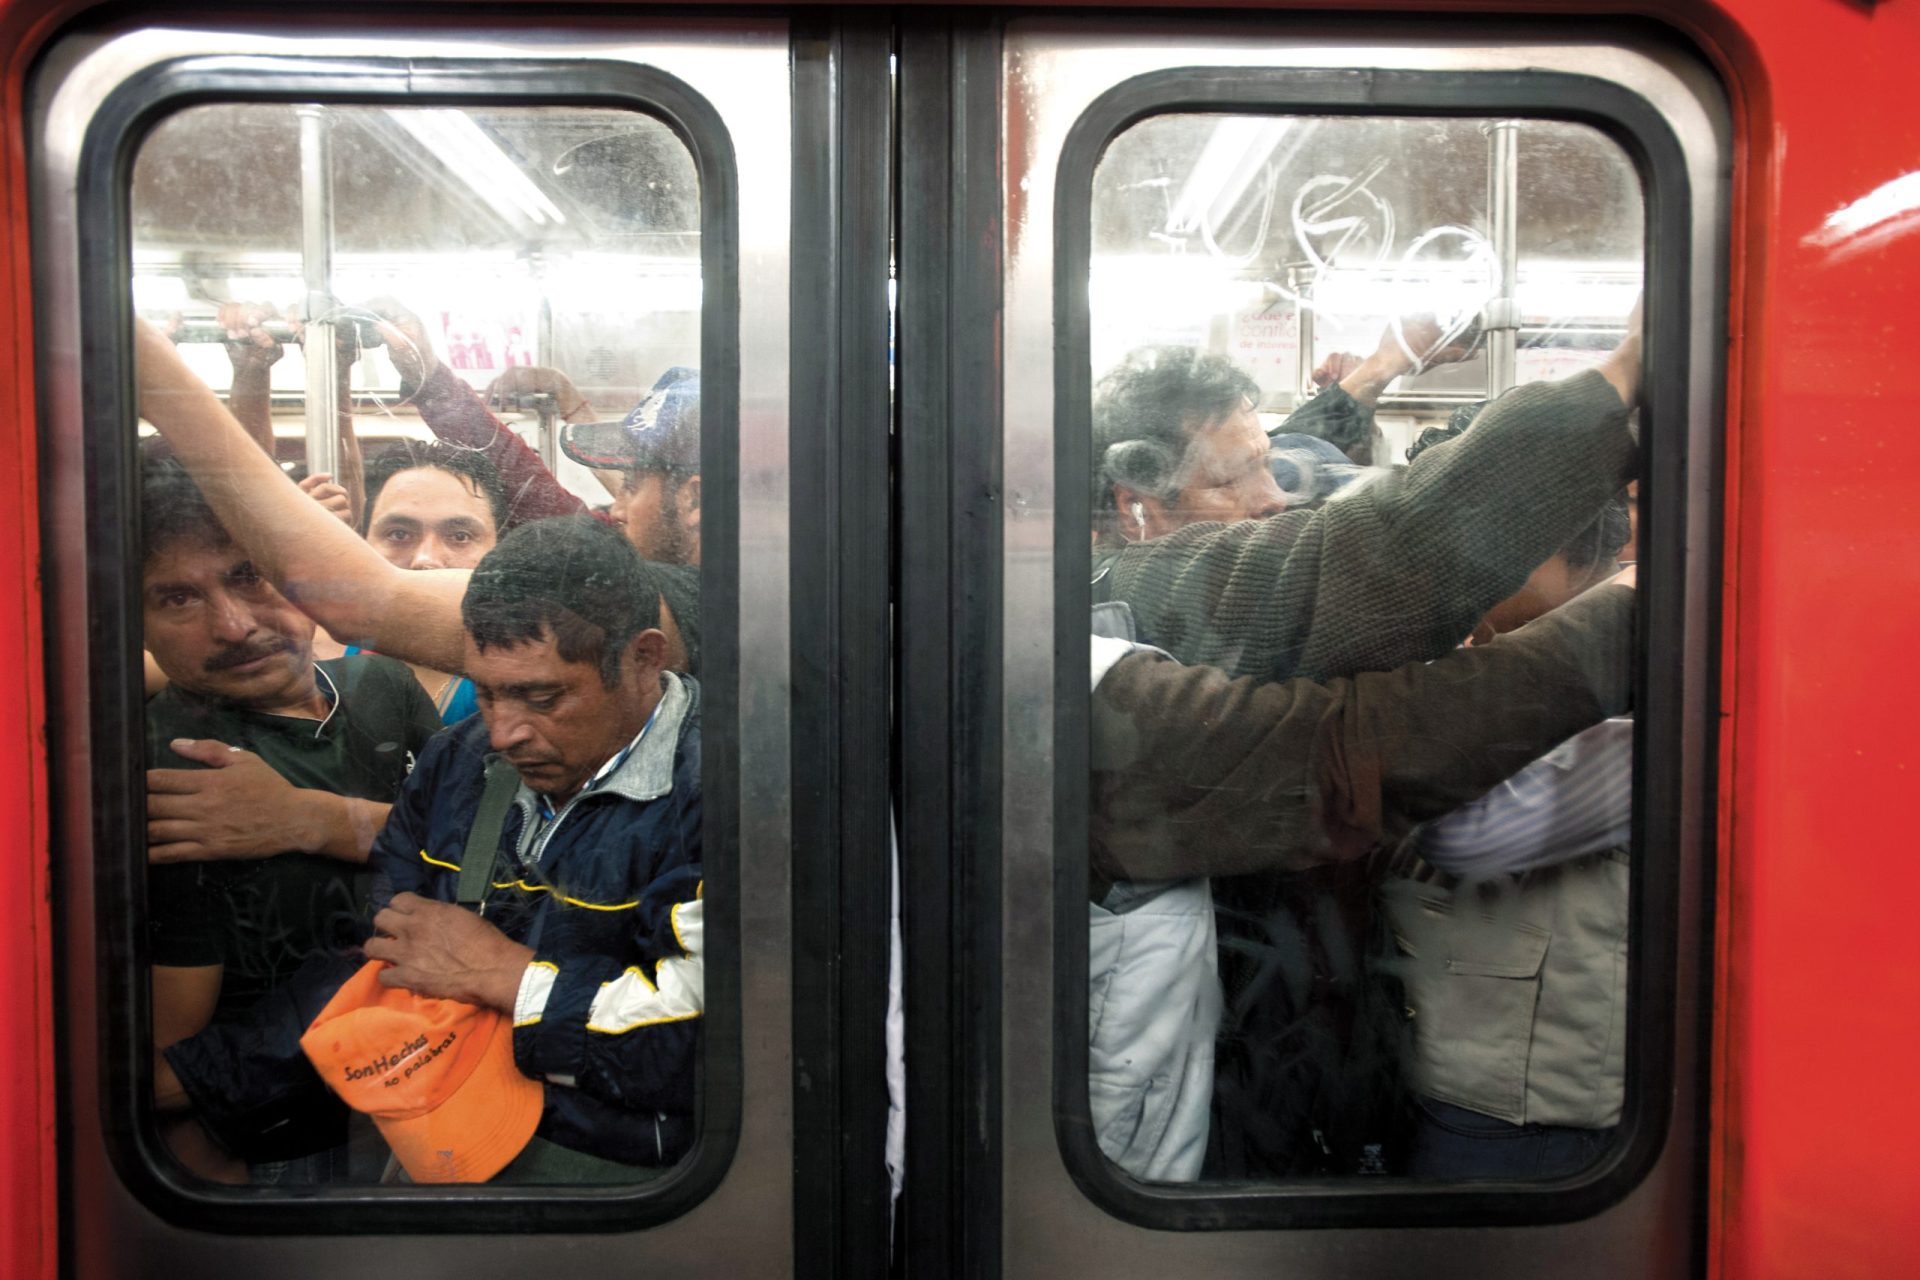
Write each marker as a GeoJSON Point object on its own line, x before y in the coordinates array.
{"type": "Point", "coordinates": [1197, 775]}
{"type": "Point", "coordinates": [1518, 1063]}
{"type": "Point", "coordinates": [1397, 570]}
{"type": "Point", "coordinates": [530, 646]}
{"type": "Point", "coordinates": [435, 507]}
{"type": "Point", "coordinates": [649, 461]}
{"type": "Point", "coordinates": [269, 773]}
{"type": "Point", "coordinates": [335, 577]}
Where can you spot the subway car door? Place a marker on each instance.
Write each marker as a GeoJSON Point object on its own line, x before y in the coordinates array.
{"type": "Point", "coordinates": [1325, 1070]}
{"type": "Point", "coordinates": [624, 197]}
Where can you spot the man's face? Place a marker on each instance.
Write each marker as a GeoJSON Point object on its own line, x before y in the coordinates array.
{"type": "Point", "coordinates": [650, 507]}
{"type": "Point", "coordinates": [1224, 477]}
{"type": "Point", "coordinates": [426, 518]}
{"type": "Point", "coordinates": [556, 721]}
{"type": "Point", "coordinates": [218, 628]}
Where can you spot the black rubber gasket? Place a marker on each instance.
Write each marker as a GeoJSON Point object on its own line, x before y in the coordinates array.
{"type": "Point", "coordinates": [114, 785]}
{"type": "Point", "coordinates": [1661, 695]}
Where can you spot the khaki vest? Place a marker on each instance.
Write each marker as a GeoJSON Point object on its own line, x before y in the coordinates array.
{"type": "Point", "coordinates": [1516, 988]}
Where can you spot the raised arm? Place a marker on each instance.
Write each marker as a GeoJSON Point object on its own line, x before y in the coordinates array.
{"type": "Point", "coordinates": [1402, 568]}
{"type": "Point", "coordinates": [1198, 774]}
{"type": "Point", "coordinates": [253, 352]}
{"type": "Point", "coordinates": [1342, 415]}
{"type": "Point", "coordinates": [457, 414]}
{"type": "Point", "coordinates": [316, 561]}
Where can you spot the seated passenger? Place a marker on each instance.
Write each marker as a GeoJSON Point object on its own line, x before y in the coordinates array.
{"type": "Point", "coordinates": [435, 507]}
{"type": "Point", "coordinates": [589, 933]}
{"type": "Point", "coordinates": [269, 773]}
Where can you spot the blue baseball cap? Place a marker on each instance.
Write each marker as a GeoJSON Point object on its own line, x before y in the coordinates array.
{"type": "Point", "coordinates": [661, 433]}
{"type": "Point", "coordinates": [1307, 468]}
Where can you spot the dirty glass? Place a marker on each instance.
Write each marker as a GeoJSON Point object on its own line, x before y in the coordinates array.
{"type": "Point", "coordinates": [420, 595]}
{"type": "Point", "coordinates": [1363, 411]}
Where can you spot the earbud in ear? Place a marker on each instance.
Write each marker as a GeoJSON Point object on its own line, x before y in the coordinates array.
{"type": "Point", "coordinates": [1139, 514]}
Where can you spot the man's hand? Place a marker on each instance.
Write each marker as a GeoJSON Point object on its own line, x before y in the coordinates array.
{"type": "Point", "coordinates": [249, 346]}
{"type": "Point", "coordinates": [1335, 367]}
{"type": "Point", "coordinates": [1423, 343]}
{"type": "Point", "coordinates": [322, 489]}
{"type": "Point", "coordinates": [1410, 343]}
{"type": "Point", "coordinates": [524, 380]}
{"type": "Point", "coordinates": [1621, 368]}
{"type": "Point", "coordinates": [441, 950]}
{"type": "Point", "coordinates": [406, 338]}
{"type": "Point", "coordinates": [237, 807]}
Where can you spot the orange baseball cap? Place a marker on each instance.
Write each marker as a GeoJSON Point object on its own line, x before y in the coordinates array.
{"type": "Point", "coordinates": [437, 1076]}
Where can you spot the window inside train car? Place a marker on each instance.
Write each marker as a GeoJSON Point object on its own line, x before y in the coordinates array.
{"type": "Point", "coordinates": [420, 504]}
{"type": "Point", "coordinates": [1363, 429]}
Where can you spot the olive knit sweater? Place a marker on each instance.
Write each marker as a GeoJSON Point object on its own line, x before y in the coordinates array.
{"type": "Point", "coordinates": [1397, 569]}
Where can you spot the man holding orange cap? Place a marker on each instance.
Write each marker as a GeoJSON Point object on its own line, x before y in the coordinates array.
{"type": "Point", "coordinates": [549, 1035]}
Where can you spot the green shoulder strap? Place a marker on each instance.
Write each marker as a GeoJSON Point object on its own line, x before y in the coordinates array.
{"type": "Point", "coordinates": [483, 840]}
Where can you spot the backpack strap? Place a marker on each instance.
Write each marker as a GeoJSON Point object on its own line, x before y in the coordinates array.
{"type": "Point", "coordinates": [483, 838]}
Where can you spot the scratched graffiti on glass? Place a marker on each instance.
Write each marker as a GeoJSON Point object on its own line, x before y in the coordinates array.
{"type": "Point", "coordinates": [1292, 241]}
{"type": "Point", "coordinates": [1361, 412]}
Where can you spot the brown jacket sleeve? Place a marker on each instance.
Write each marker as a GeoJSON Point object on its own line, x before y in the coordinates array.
{"type": "Point", "coordinates": [1197, 774]}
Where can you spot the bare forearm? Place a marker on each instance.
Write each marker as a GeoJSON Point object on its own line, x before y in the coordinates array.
{"type": "Point", "coordinates": [350, 472]}
{"type": "Point", "coordinates": [319, 563]}
{"type": "Point", "coordinates": [251, 403]}
{"type": "Point", "coordinates": [291, 538]}
{"type": "Point", "coordinates": [1369, 382]}
{"type": "Point", "coordinates": [336, 826]}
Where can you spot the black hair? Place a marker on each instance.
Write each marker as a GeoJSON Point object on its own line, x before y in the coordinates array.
{"type": "Point", "coordinates": [1146, 409]}
{"type": "Point", "coordinates": [571, 577]}
{"type": "Point", "coordinates": [410, 455]}
{"type": "Point", "coordinates": [1600, 540]}
{"type": "Point", "coordinates": [172, 508]}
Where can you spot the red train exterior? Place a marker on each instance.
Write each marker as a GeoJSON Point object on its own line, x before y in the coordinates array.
{"type": "Point", "coordinates": [1815, 1166]}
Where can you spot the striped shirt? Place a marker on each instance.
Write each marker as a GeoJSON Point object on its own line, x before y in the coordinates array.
{"type": "Point", "coordinates": [1575, 800]}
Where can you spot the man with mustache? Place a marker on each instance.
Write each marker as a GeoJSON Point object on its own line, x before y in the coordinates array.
{"type": "Point", "coordinates": [270, 775]}
{"type": "Point", "coordinates": [589, 928]}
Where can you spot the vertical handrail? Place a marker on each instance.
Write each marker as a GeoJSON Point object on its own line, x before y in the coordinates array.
{"type": "Point", "coordinates": [1501, 319]}
{"type": "Point", "coordinates": [316, 258]}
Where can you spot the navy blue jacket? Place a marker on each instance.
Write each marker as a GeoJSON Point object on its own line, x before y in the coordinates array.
{"type": "Point", "coordinates": [607, 892]}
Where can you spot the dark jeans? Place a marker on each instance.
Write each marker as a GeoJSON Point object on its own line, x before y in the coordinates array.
{"type": "Point", "coordinates": [1453, 1142]}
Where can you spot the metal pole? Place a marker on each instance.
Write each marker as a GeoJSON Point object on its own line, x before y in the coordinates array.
{"type": "Point", "coordinates": [544, 356]}
{"type": "Point", "coordinates": [1502, 316]}
{"type": "Point", "coordinates": [1303, 351]}
{"type": "Point", "coordinates": [316, 256]}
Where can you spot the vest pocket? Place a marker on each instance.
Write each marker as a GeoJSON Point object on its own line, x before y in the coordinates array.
{"type": "Point", "coordinates": [1472, 982]}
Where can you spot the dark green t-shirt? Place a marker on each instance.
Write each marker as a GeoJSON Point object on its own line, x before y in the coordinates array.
{"type": "Point", "coordinates": [261, 918]}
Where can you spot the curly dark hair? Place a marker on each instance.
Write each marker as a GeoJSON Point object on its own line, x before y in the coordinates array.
{"type": "Point", "coordinates": [1146, 409]}
{"type": "Point", "coordinates": [464, 464]}
{"type": "Point", "coordinates": [571, 577]}
{"type": "Point", "coordinates": [1600, 540]}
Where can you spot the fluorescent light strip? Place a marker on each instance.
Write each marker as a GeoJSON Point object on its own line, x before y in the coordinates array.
{"type": "Point", "coordinates": [464, 147]}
